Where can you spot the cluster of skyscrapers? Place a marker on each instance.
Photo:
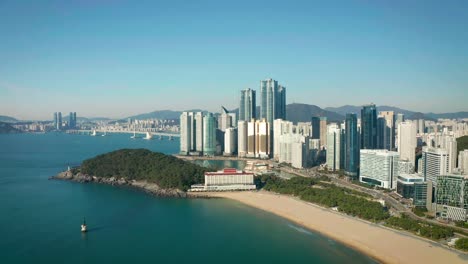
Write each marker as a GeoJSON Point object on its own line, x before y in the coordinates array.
{"type": "Point", "coordinates": [381, 149]}
{"type": "Point", "coordinates": [59, 124]}
{"type": "Point", "coordinates": [415, 158]}
{"type": "Point", "coordinates": [249, 135]}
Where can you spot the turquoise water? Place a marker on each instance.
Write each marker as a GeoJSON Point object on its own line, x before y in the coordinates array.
{"type": "Point", "coordinates": [40, 218]}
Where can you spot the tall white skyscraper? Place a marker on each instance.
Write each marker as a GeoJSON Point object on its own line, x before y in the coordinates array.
{"type": "Point", "coordinates": [407, 141]}
{"type": "Point", "coordinates": [293, 149]}
{"type": "Point", "coordinates": [272, 100]}
{"type": "Point", "coordinates": [191, 133]}
{"type": "Point", "coordinates": [333, 147]}
{"type": "Point", "coordinates": [230, 141]}
{"type": "Point", "coordinates": [388, 136]}
{"type": "Point", "coordinates": [280, 127]}
{"type": "Point", "coordinates": [435, 162]}
{"type": "Point", "coordinates": [258, 139]}
{"type": "Point", "coordinates": [242, 138]}
{"type": "Point", "coordinates": [185, 133]}
{"type": "Point", "coordinates": [379, 167]}
{"type": "Point", "coordinates": [197, 126]}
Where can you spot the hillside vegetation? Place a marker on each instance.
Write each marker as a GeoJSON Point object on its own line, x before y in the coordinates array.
{"type": "Point", "coordinates": [142, 164]}
{"type": "Point", "coordinates": [462, 143]}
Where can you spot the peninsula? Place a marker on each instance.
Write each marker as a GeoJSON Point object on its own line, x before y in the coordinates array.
{"type": "Point", "coordinates": [156, 173]}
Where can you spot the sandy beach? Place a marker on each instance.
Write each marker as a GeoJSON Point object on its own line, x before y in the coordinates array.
{"type": "Point", "coordinates": [384, 244]}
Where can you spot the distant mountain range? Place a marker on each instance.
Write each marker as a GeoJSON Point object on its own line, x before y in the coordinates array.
{"type": "Point", "coordinates": [8, 119]}
{"type": "Point", "coordinates": [295, 112]}
{"type": "Point", "coordinates": [304, 113]}
{"type": "Point", "coordinates": [408, 113]}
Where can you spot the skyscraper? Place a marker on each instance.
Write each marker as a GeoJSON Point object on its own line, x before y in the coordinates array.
{"type": "Point", "coordinates": [272, 100]}
{"type": "Point", "coordinates": [369, 127]}
{"type": "Point", "coordinates": [435, 162]}
{"type": "Point", "coordinates": [407, 141]}
{"type": "Point", "coordinates": [209, 135]}
{"type": "Point", "coordinates": [351, 146]}
{"type": "Point", "coordinates": [388, 139]}
{"type": "Point", "coordinates": [191, 133]}
{"type": "Point", "coordinates": [72, 120]}
{"type": "Point", "coordinates": [59, 121]}
{"type": "Point", "coordinates": [399, 119]}
{"type": "Point", "coordinates": [315, 127]}
{"type": "Point", "coordinates": [333, 147]}
{"type": "Point", "coordinates": [323, 131]}
{"type": "Point", "coordinates": [55, 120]}
{"type": "Point", "coordinates": [258, 139]}
{"type": "Point", "coordinates": [242, 138]}
{"type": "Point", "coordinates": [185, 133]}
{"type": "Point", "coordinates": [280, 127]}
{"type": "Point", "coordinates": [248, 105]}
{"type": "Point", "coordinates": [225, 119]}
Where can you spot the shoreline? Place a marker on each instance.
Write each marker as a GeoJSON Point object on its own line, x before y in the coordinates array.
{"type": "Point", "coordinates": [145, 186]}
{"type": "Point", "coordinates": [381, 243]}
{"type": "Point", "coordinates": [399, 246]}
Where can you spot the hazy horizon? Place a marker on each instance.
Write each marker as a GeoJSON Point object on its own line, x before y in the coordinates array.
{"type": "Point", "coordinates": [117, 59]}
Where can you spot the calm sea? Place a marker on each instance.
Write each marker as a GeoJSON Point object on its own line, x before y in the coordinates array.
{"type": "Point", "coordinates": [40, 218]}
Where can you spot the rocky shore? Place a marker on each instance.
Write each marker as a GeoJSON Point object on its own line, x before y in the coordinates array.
{"type": "Point", "coordinates": [146, 186]}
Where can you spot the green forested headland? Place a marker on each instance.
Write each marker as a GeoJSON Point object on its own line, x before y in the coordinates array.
{"type": "Point", "coordinates": [142, 164]}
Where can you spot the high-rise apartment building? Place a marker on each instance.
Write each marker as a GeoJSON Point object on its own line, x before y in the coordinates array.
{"type": "Point", "coordinates": [280, 127]}
{"type": "Point", "coordinates": [435, 162]}
{"type": "Point", "coordinates": [369, 127]}
{"type": "Point", "coordinates": [388, 136]}
{"type": "Point", "coordinates": [379, 167]}
{"type": "Point", "coordinates": [59, 124]}
{"type": "Point", "coordinates": [242, 138]}
{"type": "Point", "coordinates": [272, 100]}
{"type": "Point", "coordinates": [225, 119]}
{"type": "Point", "coordinates": [258, 139]}
{"type": "Point", "coordinates": [351, 149]}
{"type": "Point", "coordinates": [185, 133]}
{"type": "Point", "coordinates": [334, 135]}
{"type": "Point", "coordinates": [407, 141]}
{"type": "Point", "coordinates": [293, 149]}
{"type": "Point", "coordinates": [248, 105]}
{"type": "Point", "coordinates": [191, 133]}
{"type": "Point", "coordinates": [399, 119]}
{"type": "Point", "coordinates": [323, 131]}
{"type": "Point", "coordinates": [209, 135]}
{"type": "Point", "coordinates": [230, 141]}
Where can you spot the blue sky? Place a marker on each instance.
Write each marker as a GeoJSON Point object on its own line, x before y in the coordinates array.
{"type": "Point", "coordinates": [118, 58]}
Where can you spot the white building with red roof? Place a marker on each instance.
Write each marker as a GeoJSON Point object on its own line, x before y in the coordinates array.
{"type": "Point", "coordinates": [226, 180]}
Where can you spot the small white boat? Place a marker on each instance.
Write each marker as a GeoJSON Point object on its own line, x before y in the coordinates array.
{"type": "Point", "coordinates": [148, 136]}
{"type": "Point", "coordinates": [134, 134]}
{"type": "Point", "coordinates": [105, 134]}
{"type": "Point", "coordinates": [94, 133]}
{"type": "Point", "coordinates": [83, 226]}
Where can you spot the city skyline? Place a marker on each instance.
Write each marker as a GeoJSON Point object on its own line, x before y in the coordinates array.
{"type": "Point", "coordinates": [119, 59]}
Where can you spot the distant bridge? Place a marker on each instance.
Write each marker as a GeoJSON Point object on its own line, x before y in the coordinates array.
{"type": "Point", "coordinates": [101, 131]}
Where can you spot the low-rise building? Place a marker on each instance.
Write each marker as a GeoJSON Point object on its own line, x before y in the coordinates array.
{"type": "Point", "coordinates": [406, 185]}
{"type": "Point", "coordinates": [226, 180]}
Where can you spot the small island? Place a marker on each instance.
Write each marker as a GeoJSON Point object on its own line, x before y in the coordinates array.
{"type": "Point", "coordinates": [156, 173]}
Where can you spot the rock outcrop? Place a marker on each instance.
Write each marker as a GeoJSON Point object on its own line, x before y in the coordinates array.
{"type": "Point", "coordinates": [146, 186]}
